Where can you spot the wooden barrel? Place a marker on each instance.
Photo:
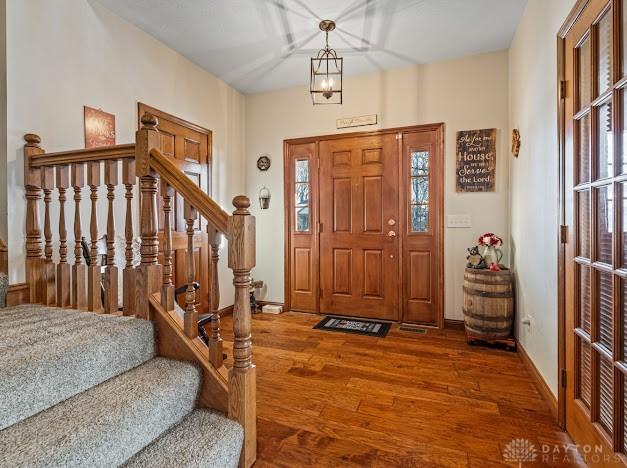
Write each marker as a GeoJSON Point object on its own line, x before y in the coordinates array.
{"type": "Point", "coordinates": [488, 303]}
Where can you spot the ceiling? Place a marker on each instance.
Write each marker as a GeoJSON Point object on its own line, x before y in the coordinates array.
{"type": "Point", "coordinates": [259, 45]}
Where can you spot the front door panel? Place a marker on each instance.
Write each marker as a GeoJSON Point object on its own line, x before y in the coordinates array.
{"type": "Point", "coordinates": [359, 215]}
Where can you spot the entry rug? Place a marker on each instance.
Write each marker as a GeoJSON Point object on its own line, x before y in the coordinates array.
{"type": "Point", "coordinates": [358, 326]}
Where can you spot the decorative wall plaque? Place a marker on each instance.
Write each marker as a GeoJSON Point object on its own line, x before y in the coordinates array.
{"type": "Point", "coordinates": [515, 142]}
{"type": "Point", "coordinates": [476, 160]}
{"type": "Point", "coordinates": [99, 128]}
{"type": "Point", "coordinates": [357, 121]}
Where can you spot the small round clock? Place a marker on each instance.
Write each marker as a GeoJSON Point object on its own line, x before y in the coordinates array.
{"type": "Point", "coordinates": [263, 163]}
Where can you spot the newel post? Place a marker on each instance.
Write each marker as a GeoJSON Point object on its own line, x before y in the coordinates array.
{"type": "Point", "coordinates": [34, 247]}
{"type": "Point", "coordinates": [148, 274]}
{"type": "Point", "coordinates": [242, 376]}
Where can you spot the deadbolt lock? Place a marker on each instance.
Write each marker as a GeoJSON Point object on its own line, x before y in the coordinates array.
{"type": "Point", "coordinates": [391, 222]}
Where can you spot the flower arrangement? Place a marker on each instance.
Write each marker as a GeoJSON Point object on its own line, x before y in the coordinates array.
{"type": "Point", "coordinates": [489, 239]}
{"type": "Point", "coordinates": [487, 253]}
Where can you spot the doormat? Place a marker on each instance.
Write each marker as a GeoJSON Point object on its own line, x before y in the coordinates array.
{"type": "Point", "coordinates": [358, 326]}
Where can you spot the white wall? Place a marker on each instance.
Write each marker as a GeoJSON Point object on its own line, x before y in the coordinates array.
{"type": "Point", "coordinates": [64, 54]}
{"type": "Point", "coordinates": [467, 93]}
{"type": "Point", "coordinates": [534, 207]}
{"type": "Point", "coordinates": [3, 122]}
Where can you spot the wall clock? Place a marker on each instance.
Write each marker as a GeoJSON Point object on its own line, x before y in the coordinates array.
{"type": "Point", "coordinates": [263, 163]}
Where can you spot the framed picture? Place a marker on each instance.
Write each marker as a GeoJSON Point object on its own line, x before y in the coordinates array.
{"type": "Point", "coordinates": [99, 128]}
{"type": "Point", "coordinates": [476, 160]}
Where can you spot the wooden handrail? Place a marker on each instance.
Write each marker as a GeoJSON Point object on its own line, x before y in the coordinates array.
{"type": "Point", "coordinates": [103, 153]}
{"type": "Point", "coordinates": [189, 191]}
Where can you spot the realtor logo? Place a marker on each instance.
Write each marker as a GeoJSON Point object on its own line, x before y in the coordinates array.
{"type": "Point", "coordinates": [520, 450]}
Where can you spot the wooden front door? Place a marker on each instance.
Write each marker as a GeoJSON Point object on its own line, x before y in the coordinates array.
{"type": "Point", "coordinates": [189, 147]}
{"type": "Point", "coordinates": [359, 216]}
{"type": "Point", "coordinates": [364, 222]}
{"type": "Point", "coordinates": [595, 203]}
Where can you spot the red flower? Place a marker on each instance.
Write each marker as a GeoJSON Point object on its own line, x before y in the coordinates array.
{"type": "Point", "coordinates": [490, 239]}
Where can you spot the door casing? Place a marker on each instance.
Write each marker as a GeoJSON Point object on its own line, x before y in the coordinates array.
{"type": "Point", "coordinates": [312, 143]}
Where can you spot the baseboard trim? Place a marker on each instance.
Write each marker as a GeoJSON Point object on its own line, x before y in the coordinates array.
{"type": "Point", "coordinates": [538, 380]}
{"type": "Point", "coordinates": [18, 294]}
{"type": "Point", "coordinates": [263, 303]}
{"type": "Point", "coordinates": [226, 311]}
{"type": "Point", "coordinates": [454, 324]}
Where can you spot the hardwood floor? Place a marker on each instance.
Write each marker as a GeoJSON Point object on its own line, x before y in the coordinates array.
{"type": "Point", "coordinates": [336, 399]}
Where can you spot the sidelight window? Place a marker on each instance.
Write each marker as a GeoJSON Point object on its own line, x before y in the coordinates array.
{"type": "Point", "coordinates": [419, 188]}
{"type": "Point", "coordinates": [301, 191]}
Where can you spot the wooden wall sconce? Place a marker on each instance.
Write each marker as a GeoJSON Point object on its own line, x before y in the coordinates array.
{"type": "Point", "coordinates": [515, 142]}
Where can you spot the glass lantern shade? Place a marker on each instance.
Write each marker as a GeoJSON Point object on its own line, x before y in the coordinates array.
{"type": "Point", "coordinates": [326, 78]}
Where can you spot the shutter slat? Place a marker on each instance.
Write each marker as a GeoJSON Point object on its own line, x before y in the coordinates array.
{"type": "Point", "coordinates": [585, 371]}
{"type": "Point", "coordinates": [606, 396]}
{"type": "Point", "coordinates": [585, 297]}
{"type": "Point", "coordinates": [605, 309]}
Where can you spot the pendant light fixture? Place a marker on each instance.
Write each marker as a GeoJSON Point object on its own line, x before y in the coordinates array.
{"type": "Point", "coordinates": [326, 72]}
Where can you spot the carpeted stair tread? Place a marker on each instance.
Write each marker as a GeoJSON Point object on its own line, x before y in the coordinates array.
{"type": "Point", "coordinates": [107, 424]}
{"type": "Point", "coordinates": [48, 355]}
{"type": "Point", "coordinates": [203, 439]}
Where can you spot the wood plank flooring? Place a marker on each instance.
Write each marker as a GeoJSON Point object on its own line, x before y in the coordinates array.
{"type": "Point", "coordinates": [342, 400]}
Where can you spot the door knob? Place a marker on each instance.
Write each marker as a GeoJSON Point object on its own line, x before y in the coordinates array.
{"type": "Point", "coordinates": [391, 234]}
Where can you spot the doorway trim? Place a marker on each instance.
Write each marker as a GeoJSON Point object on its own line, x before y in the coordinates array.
{"type": "Point", "coordinates": [315, 191]}
{"type": "Point", "coordinates": [563, 233]}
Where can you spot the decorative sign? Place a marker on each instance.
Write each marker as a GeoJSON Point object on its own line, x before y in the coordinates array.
{"type": "Point", "coordinates": [476, 160]}
{"type": "Point", "coordinates": [357, 121]}
{"type": "Point", "coordinates": [99, 128]}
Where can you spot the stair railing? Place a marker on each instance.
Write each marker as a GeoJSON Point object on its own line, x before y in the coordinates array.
{"type": "Point", "coordinates": [147, 289]}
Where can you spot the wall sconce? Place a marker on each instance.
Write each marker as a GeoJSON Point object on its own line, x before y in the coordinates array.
{"type": "Point", "coordinates": [264, 198]}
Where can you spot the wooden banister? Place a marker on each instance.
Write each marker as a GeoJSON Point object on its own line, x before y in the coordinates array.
{"type": "Point", "coordinates": [189, 191]}
{"type": "Point", "coordinates": [239, 230]}
{"type": "Point", "coordinates": [103, 153]}
{"type": "Point", "coordinates": [148, 289]}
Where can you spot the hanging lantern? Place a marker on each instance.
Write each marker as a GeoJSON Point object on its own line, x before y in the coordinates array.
{"type": "Point", "coordinates": [264, 198]}
{"type": "Point", "coordinates": [326, 72]}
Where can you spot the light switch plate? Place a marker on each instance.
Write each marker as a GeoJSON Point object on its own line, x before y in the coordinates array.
{"type": "Point", "coordinates": [458, 221]}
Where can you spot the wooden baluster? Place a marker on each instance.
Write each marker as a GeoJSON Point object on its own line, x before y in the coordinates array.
{"type": "Point", "coordinates": [129, 178]}
{"type": "Point", "coordinates": [79, 270]}
{"type": "Point", "coordinates": [190, 320]}
{"type": "Point", "coordinates": [242, 380]}
{"type": "Point", "coordinates": [148, 276]}
{"type": "Point", "coordinates": [49, 285]}
{"type": "Point", "coordinates": [216, 348]}
{"type": "Point", "coordinates": [167, 288]}
{"type": "Point", "coordinates": [94, 276]}
{"type": "Point", "coordinates": [111, 272]}
{"type": "Point", "coordinates": [64, 270]}
{"type": "Point", "coordinates": [32, 185]}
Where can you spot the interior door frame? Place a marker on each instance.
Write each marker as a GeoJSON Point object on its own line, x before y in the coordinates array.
{"type": "Point", "coordinates": [438, 223]}
{"type": "Point", "coordinates": [205, 228]}
{"type": "Point", "coordinates": [563, 234]}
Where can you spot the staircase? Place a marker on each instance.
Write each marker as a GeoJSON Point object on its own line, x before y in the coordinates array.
{"type": "Point", "coordinates": [80, 389]}
{"type": "Point", "coordinates": [102, 368]}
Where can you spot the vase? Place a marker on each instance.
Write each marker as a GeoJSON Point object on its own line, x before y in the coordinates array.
{"type": "Point", "coordinates": [491, 255]}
